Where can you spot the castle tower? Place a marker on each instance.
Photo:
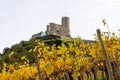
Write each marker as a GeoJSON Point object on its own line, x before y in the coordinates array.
{"type": "Point", "coordinates": [66, 23]}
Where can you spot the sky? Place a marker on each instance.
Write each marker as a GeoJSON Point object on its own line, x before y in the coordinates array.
{"type": "Point", "coordinates": [20, 19]}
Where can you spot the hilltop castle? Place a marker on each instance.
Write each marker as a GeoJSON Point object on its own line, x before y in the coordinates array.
{"type": "Point", "coordinates": [57, 29]}
{"type": "Point", "coordinates": [60, 30]}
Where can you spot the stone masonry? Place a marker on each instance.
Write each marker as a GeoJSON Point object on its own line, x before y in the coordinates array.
{"type": "Point", "coordinates": [57, 29]}
{"type": "Point", "coordinates": [60, 30]}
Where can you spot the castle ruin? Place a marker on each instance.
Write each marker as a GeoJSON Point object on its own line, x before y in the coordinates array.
{"type": "Point", "coordinates": [62, 29]}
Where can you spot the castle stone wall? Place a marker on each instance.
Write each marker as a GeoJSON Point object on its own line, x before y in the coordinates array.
{"type": "Point", "coordinates": [60, 30]}
{"type": "Point", "coordinates": [66, 23]}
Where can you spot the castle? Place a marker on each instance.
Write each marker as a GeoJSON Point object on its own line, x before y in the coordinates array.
{"type": "Point", "coordinates": [57, 29]}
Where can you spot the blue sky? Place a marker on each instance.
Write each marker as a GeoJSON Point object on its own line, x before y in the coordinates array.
{"type": "Point", "coordinates": [20, 19]}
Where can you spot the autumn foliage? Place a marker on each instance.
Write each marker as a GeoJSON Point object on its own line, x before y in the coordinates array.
{"type": "Point", "coordinates": [76, 61]}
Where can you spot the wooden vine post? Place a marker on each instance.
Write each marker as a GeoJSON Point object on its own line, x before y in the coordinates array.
{"type": "Point", "coordinates": [105, 56]}
{"type": "Point", "coordinates": [38, 65]}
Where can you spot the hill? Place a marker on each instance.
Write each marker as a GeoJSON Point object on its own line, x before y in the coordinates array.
{"type": "Point", "coordinates": [23, 48]}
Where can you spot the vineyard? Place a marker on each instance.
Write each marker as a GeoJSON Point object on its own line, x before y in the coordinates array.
{"type": "Point", "coordinates": [78, 60]}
